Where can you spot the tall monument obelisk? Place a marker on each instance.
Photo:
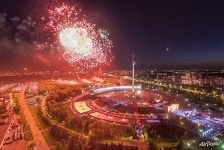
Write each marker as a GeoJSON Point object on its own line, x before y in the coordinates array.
{"type": "Point", "coordinates": [133, 74]}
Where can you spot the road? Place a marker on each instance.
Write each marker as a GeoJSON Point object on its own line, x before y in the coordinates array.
{"type": "Point", "coordinates": [37, 135]}
{"type": "Point", "coordinates": [89, 107]}
{"type": "Point", "coordinates": [80, 96]}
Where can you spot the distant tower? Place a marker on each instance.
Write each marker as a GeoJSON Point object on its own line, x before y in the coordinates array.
{"type": "Point", "coordinates": [133, 73]}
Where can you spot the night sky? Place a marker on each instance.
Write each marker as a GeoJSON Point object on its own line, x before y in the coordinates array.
{"type": "Point", "coordinates": [168, 34]}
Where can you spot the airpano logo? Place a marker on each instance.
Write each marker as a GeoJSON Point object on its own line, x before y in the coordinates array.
{"type": "Point", "coordinates": [209, 143]}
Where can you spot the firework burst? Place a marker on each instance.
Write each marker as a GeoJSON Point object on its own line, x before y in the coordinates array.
{"type": "Point", "coordinates": [82, 42]}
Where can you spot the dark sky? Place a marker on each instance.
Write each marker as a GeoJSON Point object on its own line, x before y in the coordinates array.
{"type": "Point", "coordinates": [192, 30]}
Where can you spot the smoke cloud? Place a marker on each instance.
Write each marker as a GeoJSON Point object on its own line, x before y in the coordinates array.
{"type": "Point", "coordinates": [18, 45]}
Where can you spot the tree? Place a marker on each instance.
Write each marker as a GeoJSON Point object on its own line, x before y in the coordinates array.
{"type": "Point", "coordinates": [16, 109]}
{"type": "Point", "coordinates": [75, 122]}
{"type": "Point", "coordinates": [71, 144]}
{"type": "Point", "coordinates": [180, 145]}
{"type": "Point", "coordinates": [59, 146]}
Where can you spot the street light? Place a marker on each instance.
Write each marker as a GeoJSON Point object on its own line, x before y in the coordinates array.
{"type": "Point", "coordinates": [188, 144]}
{"type": "Point", "coordinates": [222, 146]}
